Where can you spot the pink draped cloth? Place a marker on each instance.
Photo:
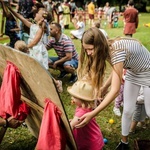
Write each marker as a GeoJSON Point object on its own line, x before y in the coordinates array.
{"type": "Point", "coordinates": [10, 103]}
{"type": "Point", "coordinates": [51, 136]}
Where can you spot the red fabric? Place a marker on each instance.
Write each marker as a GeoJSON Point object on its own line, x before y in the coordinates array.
{"type": "Point", "coordinates": [51, 136]}
{"type": "Point", "coordinates": [10, 94]}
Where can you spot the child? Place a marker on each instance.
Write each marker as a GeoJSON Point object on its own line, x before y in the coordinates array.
{"type": "Point", "coordinates": [89, 137]}
{"type": "Point", "coordinates": [115, 19]}
{"type": "Point", "coordinates": [100, 13]}
{"type": "Point", "coordinates": [35, 43]}
{"type": "Point", "coordinates": [22, 46]}
{"type": "Point", "coordinates": [11, 26]}
{"type": "Point", "coordinates": [139, 115]}
{"type": "Point", "coordinates": [79, 26]}
{"type": "Point", "coordinates": [119, 98]}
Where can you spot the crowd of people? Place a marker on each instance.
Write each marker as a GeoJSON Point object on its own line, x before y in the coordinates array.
{"type": "Point", "coordinates": [39, 33]}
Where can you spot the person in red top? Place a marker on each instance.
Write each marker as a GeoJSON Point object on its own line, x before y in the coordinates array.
{"type": "Point", "coordinates": [131, 19]}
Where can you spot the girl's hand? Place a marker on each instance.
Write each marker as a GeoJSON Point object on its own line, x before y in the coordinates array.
{"type": "Point", "coordinates": [84, 120]}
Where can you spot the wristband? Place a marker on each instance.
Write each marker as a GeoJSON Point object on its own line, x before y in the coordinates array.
{"type": "Point", "coordinates": [6, 125]}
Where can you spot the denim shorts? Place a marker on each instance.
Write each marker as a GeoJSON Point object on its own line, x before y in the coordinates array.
{"type": "Point", "coordinates": [73, 62]}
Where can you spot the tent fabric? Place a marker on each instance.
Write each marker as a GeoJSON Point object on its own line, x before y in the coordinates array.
{"type": "Point", "coordinates": [10, 94]}
{"type": "Point", "coordinates": [51, 136]}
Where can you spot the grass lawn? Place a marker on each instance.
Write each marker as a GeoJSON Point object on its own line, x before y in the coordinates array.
{"type": "Point", "coordinates": [21, 139]}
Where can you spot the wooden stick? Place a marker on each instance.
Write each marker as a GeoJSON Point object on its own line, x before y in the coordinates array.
{"type": "Point", "coordinates": [32, 104]}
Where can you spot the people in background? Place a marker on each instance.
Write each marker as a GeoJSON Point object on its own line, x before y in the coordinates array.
{"type": "Point", "coordinates": [73, 8]}
{"type": "Point", "coordinates": [110, 14]}
{"type": "Point", "coordinates": [105, 10]}
{"type": "Point", "coordinates": [115, 19]}
{"type": "Point", "coordinates": [11, 26]}
{"type": "Point", "coordinates": [130, 19]}
{"type": "Point", "coordinates": [25, 9]}
{"type": "Point", "coordinates": [66, 12]}
{"type": "Point", "coordinates": [79, 26]}
{"type": "Point", "coordinates": [91, 11]}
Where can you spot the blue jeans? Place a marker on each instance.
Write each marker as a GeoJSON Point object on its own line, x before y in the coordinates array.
{"type": "Point", "coordinates": [73, 62]}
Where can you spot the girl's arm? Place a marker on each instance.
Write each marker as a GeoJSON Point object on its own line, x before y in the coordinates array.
{"type": "Point", "coordinates": [74, 122]}
{"type": "Point", "coordinates": [37, 38]}
{"type": "Point", "coordinates": [112, 94]}
{"type": "Point", "coordinates": [5, 9]}
{"type": "Point", "coordinates": [20, 17]}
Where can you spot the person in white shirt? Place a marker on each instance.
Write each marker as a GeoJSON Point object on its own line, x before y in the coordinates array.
{"type": "Point", "coordinates": [79, 26]}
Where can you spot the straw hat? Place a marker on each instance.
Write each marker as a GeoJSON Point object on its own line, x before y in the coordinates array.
{"type": "Point", "coordinates": [82, 90]}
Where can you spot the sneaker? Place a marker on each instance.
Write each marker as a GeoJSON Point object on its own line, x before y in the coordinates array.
{"type": "Point", "coordinates": [73, 78]}
{"type": "Point", "coordinates": [62, 74]}
{"type": "Point", "coordinates": [117, 111]}
{"type": "Point", "coordinates": [122, 146]}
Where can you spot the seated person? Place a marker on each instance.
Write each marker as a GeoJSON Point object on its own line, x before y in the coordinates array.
{"type": "Point", "coordinates": [79, 26]}
{"type": "Point", "coordinates": [67, 60]}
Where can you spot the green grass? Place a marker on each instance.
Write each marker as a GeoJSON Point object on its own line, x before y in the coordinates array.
{"type": "Point", "coordinates": [21, 139]}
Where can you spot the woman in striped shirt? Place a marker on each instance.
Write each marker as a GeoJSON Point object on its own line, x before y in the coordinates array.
{"type": "Point", "coordinates": [126, 53]}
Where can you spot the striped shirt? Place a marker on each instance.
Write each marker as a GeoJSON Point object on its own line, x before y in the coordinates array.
{"type": "Point", "coordinates": [135, 58]}
{"type": "Point", "coordinates": [63, 46]}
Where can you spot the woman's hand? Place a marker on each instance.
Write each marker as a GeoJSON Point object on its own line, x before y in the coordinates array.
{"type": "Point", "coordinates": [84, 120]}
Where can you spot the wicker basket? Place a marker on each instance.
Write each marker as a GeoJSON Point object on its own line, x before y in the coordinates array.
{"type": "Point", "coordinates": [141, 144]}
